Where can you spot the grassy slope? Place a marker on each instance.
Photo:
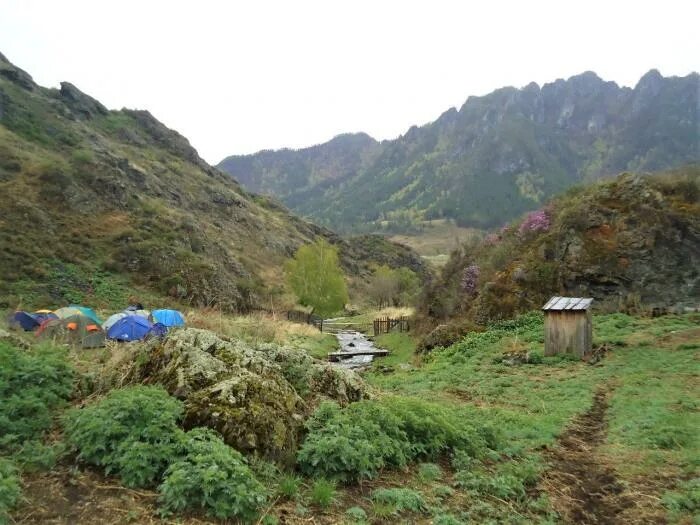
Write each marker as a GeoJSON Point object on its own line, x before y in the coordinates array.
{"type": "Point", "coordinates": [97, 205]}
{"type": "Point", "coordinates": [652, 372]}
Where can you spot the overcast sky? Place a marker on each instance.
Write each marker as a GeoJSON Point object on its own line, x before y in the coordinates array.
{"type": "Point", "coordinates": [237, 77]}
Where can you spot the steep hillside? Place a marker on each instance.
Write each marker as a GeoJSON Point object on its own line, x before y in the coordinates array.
{"type": "Point", "coordinates": [95, 203]}
{"type": "Point", "coordinates": [497, 157]}
{"type": "Point", "coordinates": [631, 243]}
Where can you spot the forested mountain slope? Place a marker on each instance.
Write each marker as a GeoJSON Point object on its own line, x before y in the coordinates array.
{"type": "Point", "coordinates": [496, 157]}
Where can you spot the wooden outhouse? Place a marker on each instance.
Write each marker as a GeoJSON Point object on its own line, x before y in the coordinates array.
{"type": "Point", "coordinates": [568, 326]}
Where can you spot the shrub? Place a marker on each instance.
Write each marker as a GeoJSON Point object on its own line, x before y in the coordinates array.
{"type": "Point", "coordinates": [429, 472]}
{"type": "Point", "coordinates": [10, 491]}
{"type": "Point", "coordinates": [509, 482]}
{"type": "Point", "coordinates": [323, 493]}
{"type": "Point", "coordinates": [211, 476]}
{"type": "Point", "coordinates": [353, 443]}
{"type": "Point", "coordinates": [443, 491]}
{"type": "Point", "coordinates": [356, 442]}
{"type": "Point", "coordinates": [356, 515]}
{"type": "Point", "coordinates": [400, 499]}
{"type": "Point", "coordinates": [536, 221]}
{"type": "Point", "coordinates": [289, 487]}
{"type": "Point", "coordinates": [470, 279]}
{"type": "Point", "coordinates": [132, 432]}
{"type": "Point", "coordinates": [443, 336]}
{"type": "Point", "coordinates": [32, 385]}
{"type": "Point", "coordinates": [36, 456]}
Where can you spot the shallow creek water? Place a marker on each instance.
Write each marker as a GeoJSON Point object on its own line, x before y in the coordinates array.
{"type": "Point", "coordinates": [352, 341]}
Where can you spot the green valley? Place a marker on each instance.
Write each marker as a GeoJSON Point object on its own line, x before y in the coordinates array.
{"type": "Point", "coordinates": [257, 368]}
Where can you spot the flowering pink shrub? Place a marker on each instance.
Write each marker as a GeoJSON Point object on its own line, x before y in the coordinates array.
{"type": "Point", "coordinates": [536, 221]}
{"type": "Point", "coordinates": [470, 279]}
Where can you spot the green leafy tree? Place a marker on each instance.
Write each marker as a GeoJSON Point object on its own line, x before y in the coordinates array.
{"type": "Point", "coordinates": [316, 278]}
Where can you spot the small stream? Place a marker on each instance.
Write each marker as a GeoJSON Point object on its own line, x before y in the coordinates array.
{"type": "Point", "coordinates": [350, 341]}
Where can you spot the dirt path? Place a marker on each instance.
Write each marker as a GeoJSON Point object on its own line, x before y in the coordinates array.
{"type": "Point", "coordinates": [582, 488]}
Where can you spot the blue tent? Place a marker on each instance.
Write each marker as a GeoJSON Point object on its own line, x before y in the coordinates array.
{"type": "Point", "coordinates": [168, 317]}
{"type": "Point", "coordinates": [40, 317]}
{"type": "Point", "coordinates": [25, 321]}
{"type": "Point", "coordinates": [130, 328]}
{"type": "Point", "coordinates": [158, 330]}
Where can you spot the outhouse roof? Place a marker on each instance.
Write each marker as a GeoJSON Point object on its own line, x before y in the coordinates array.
{"type": "Point", "coordinates": [567, 303]}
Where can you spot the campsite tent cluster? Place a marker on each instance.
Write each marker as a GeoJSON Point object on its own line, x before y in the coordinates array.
{"type": "Point", "coordinates": [80, 325]}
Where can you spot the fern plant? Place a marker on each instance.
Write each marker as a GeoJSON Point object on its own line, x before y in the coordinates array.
{"type": "Point", "coordinates": [211, 476]}
{"type": "Point", "coordinates": [131, 432]}
{"type": "Point", "coordinates": [10, 491]}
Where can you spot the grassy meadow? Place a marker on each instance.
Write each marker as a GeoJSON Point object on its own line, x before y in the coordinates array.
{"type": "Point", "coordinates": [457, 436]}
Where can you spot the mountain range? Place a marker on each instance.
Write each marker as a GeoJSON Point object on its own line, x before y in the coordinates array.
{"type": "Point", "coordinates": [495, 158]}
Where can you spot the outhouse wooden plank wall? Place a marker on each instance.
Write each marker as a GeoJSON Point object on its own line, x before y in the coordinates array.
{"type": "Point", "coordinates": [568, 326]}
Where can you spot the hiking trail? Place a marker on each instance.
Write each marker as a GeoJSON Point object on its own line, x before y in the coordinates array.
{"type": "Point", "coordinates": [582, 488]}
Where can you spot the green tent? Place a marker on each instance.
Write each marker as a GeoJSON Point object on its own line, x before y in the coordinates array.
{"type": "Point", "coordinates": [76, 330]}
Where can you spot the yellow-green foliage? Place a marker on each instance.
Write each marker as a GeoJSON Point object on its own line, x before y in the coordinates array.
{"type": "Point", "coordinates": [315, 276]}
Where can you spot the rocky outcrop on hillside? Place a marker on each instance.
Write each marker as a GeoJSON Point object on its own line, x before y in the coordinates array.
{"type": "Point", "coordinates": [496, 157]}
{"type": "Point", "coordinates": [257, 397]}
{"type": "Point", "coordinates": [632, 244]}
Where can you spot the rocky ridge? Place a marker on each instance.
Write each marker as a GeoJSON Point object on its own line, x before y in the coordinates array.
{"type": "Point", "coordinates": [496, 157]}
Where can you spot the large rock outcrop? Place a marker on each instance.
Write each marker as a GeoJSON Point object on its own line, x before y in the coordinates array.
{"type": "Point", "coordinates": [257, 397]}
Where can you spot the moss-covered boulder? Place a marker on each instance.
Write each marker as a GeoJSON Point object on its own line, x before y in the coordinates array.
{"type": "Point", "coordinates": [257, 397]}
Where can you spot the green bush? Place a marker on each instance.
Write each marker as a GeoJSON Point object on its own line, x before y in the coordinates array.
{"type": "Point", "coordinates": [323, 493]}
{"type": "Point", "coordinates": [33, 384]}
{"type": "Point", "coordinates": [510, 481]}
{"type": "Point", "coordinates": [10, 491]}
{"type": "Point", "coordinates": [352, 443]}
{"type": "Point", "coordinates": [211, 476]}
{"type": "Point", "coordinates": [36, 456]}
{"type": "Point", "coordinates": [356, 515]}
{"type": "Point", "coordinates": [355, 443]}
{"type": "Point", "coordinates": [132, 432]}
{"type": "Point", "coordinates": [288, 487]}
{"type": "Point", "coordinates": [402, 500]}
{"type": "Point", "coordinates": [429, 472]}
{"type": "Point", "coordinates": [358, 441]}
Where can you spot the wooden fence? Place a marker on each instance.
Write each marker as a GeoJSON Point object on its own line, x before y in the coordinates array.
{"type": "Point", "coordinates": [297, 316]}
{"type": "Point", "coordinates": [384, 325]}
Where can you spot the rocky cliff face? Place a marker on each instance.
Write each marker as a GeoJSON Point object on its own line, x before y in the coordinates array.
{"type": "Point", "coordinates": [498, 156]}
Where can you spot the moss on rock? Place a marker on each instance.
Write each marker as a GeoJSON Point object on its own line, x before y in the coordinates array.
{"type": "Point", "coordinates": [257, 397]}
